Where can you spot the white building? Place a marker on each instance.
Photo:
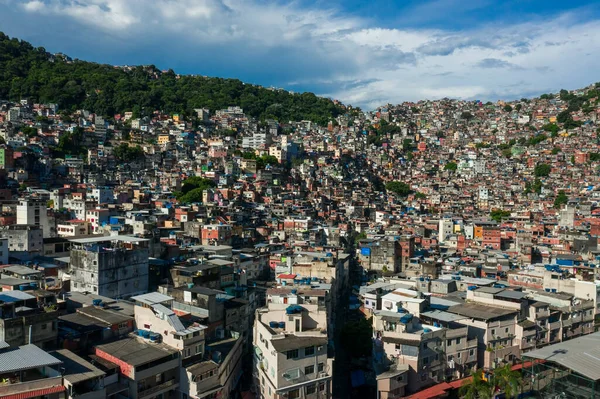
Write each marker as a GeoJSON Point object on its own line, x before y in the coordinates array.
{"type": "Point", "coordinates": [446, 227]}
{"type": "Point", "coordinates": [290, 345]}
{"type": "Point", "coordinates": [34, 212]}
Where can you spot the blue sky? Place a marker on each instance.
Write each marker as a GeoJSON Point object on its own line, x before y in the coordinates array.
{"type": "Point", "coordinates": [366, 53]}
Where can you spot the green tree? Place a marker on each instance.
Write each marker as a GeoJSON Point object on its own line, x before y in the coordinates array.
{"type": "Point", "coordinates": [499, 214]}
{"type": "Point", "coordinates": [265, 160]}
{"type": "Point", "coordinates": [555, 150]}
{"type": "Point", "coordinates": [26, 71]}
{"type": "Point", "coordinates": [420, 195]}
{"type": "Point", "coordinates": [192, 189]}
{"type": "Point", "coordinates": [508, 380]}
{"type": "Point", "coordinates": [563, 116]}
{"type": "Point", "coordinates": [535, 187]}
{"type": "Point", "coordinates": [466, 115]}
{"type": "Point", "coordinates": [507, 152]}
{"type": "Point", "coordinates": [398, 188]}
{"type": "Point", "coordinates": [507, 108]}
{"type": "Point", "coordinates": [561, 199]}
{"type": "Point", "coordinates": [542, 170]}
{"type": "Point", "coordinates": [407, 144]}
{"type": "Point", "coordinates": [551, 127]}
{"type": "Point", "coordinates": [451, 166]}
{"type": "Point", "coordinates": [126, 153]}
{"type": "Point", "coordinates": [476, 387]}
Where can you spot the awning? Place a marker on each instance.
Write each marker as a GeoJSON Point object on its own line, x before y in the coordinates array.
{"type": "Point", "coordinates": [33, 394]}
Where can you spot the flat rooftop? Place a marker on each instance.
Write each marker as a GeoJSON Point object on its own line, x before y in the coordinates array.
{"type": "Point", "coordinates": [135, 352]}
{"type": "Point", "coordinates": [479, 311]}
{"type": "Point", "coordinates": [91, 240]}
{"type": "Point", "coordinates": [440, 315]}
{"type": "Point", "coordinates": [77, 369]}
{"type": "Point", "coordinates": [291, 342]}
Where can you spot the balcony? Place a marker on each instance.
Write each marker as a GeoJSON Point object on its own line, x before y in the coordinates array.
{"type": "Point", "coordinates": [155, 390]}
{"type": "Point", "coordinates": [554, 325]}
{"type": "Point", "coordinates": [7, 389]}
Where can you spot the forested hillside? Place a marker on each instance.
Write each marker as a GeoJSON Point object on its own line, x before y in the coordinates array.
{"type": "Point", "coordinates": [26, 71]}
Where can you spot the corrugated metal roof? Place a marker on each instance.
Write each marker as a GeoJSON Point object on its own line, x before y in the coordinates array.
{"type": "Point", "coordinates": [581, 355]}
{"type": "Point", "coordinates": [152, 298]}
{"type": "Point", "coordinates": [25, 357]}
{"type": "Point", "coordinates": [14, 296]}
{"type": "Point", "coordinates": [171, 316]}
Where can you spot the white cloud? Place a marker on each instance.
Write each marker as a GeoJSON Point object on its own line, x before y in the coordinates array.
{"type": "Point", "coordinates": [348, 58]}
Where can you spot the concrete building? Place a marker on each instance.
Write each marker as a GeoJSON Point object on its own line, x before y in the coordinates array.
{"type": "Point", "coordinates": [494, 328]}
{"type": "Point", "coordinates": [23, 321]}
{"type": "Point", "coordinates": [34, 212]}
{"type": "Point", "coordinates": [25, 242]}
{"type": "Point", "coordinates": [380, 255]}
{"type": "Point", "coordinates": [3, 251]}
{"type": "Point", "coordinates": [81, 378]}
{"type": "Point", "coordinates": [149, 370]}
{"type": "Point", "coordinates": [401, 340]}
{"type": "Point", "coordinates": [446, 227]}
{"type": "Point", "coordinates": [112, 266]}
{"type": "Point", "coordinates": [31, 372]}
{"type": "Point", "coordinates": [290, 346]}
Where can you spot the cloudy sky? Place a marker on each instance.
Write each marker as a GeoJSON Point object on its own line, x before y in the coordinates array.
{"type": "Point", "coordinates": [365, 53]}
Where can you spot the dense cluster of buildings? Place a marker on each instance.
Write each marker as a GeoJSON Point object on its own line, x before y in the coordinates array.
{"type": "Point", "coordinates": [113, 286]}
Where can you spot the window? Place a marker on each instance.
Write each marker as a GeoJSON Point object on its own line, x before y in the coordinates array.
{"type": "Point", "coordinates": [310, 389]}
{"type": "Point", "coordinates": [493, 331]}
{"type": "Point", "coordinates": [293, 354]}
{"type": "Point", "coordinates": [294, 394]}
{"type": "Point", "coordinates": [309, 351]}
{"type": "Point", "coordinates": [506, 330]}
{"type": "Point", "coordinates": [198, 348]}
{"type": "Point", "coordinates": [425, 360]}
{"type": "Point", "coordinates": [449, 343]}
{"type": "Point", "coordinates": [450, 357]}
{"type": "Point", "coordinates": [320, 367]}
{"type": "Point", "coordinates": [457, 341]}
{"type": "Point", "coordinates": [471, 352]}
{"type": "Point", "coordinates": [321, 387]}
{"type": "Point", "coordinates": [458, 355]}
{"type": "Point", "coordinates": [309, 369]}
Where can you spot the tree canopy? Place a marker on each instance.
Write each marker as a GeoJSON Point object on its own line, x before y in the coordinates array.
{"type": "Point", "coordinates": [398, 188]}
{"type": "Point", "coordinates": [28, 72]}
{"type": "Point", "coordinates": [499, 214]}
{"type": "Point", "coordinates": [192, 189]}
{"type": "Point", "coordinates": [125, 153]}
{"type": "Point", "coordinates": [560, 199]}
{"type": "Point", "coordinates": [542, 170]}
{"type": "Point", "coordinates": [451, 166]}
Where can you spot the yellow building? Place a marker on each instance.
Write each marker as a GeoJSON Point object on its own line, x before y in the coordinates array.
{"type": "Point", "coordinates": [164, 138]}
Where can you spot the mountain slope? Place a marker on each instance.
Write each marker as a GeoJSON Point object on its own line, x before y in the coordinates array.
{"type": "Point", "coordinates": [26, 71]}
